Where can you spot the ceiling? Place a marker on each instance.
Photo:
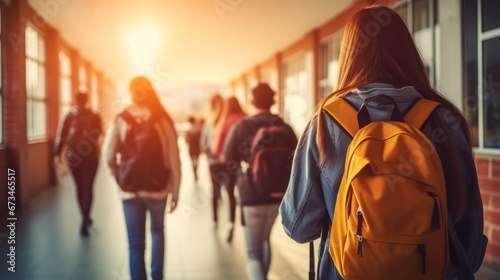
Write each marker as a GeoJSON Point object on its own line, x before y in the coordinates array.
{"type": "Point", "coordinates": [183, 41]}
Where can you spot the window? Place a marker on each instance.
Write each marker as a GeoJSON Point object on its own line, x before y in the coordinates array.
{"type": "Point", "coordinates": [83, 79]}
{"type": "Point", "coordinates": [329, 64]}
{"type": "Point", "coordinates": [64, 84]}
{"type": "Point", "coordinates": [482, 96]}
{"type": "Point", "coordinates": [94, 93]}
{"type": "Point", "coordinates": [491, 91]}
{"type": "Point", "coordinates": [35, 85]}
{"type": "Point", "coordinates": [470, 67]}
{"type": "Point", "coordinates": [490, 18]}
{"type": "Point", "coordinates": [421, 18]}
{"type": "Point", "coordinates": [298, 97]}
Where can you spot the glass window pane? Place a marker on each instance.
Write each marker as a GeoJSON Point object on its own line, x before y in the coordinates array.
{"type": "Point", "coordinates": [420, 14]}
{"type": "Point", "coordinates": [402, 11]}
{"type": "Point", "coordinates": [422, 34]}
{"type": "Point", "coordinates": [29, 112]}
{"type": "Point", "coordinates": [83, 79]}
{"type": "Point", "coordinates": [491, 12]}
{"type": "Point", "coordinates": [491, 91]}
{"type": "Point", "coordinates": [469, 15]}
{"type": "Point", "coordinates": [41, 50]}
{"type": "Point", "coordinates": [35, 84]}
{"type": "Point", "coordinates": [41, 82]}
{"type": "Point", "coordinates": [40, 120]}
{"type": "Point", "coordinates": [94, 101]}
{"type": "Point", "coordinates": [297, 96]}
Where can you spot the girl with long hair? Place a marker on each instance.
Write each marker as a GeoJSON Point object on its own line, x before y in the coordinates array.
{"type": "Point", "coordinates": [145, 108]}
{"type": "Point", "coordinates": [220, 173]}
{"type": "Point", "coordinates": [378, 57]}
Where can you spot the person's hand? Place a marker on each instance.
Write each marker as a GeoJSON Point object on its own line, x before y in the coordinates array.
{"type": "Point", "coordinates": [173, 203]}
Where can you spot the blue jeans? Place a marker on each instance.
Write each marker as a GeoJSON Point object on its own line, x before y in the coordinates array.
{"type": "Point", "coordinates": [135, 218]}
{"type": "Point", "coordinates": [259, 220]}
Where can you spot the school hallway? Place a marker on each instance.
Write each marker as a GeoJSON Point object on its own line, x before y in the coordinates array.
{"type": "Point", "coordinates": [49, 247]}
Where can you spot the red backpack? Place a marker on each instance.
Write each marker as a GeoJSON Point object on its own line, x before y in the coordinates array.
{"type": "Point", "coordinates": [271, 156]}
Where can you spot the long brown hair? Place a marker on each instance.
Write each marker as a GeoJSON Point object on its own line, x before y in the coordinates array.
{"type": "Point", "coordinates": [230, 106]}
{"type": "Point", "coordinates": [143, 93]}
{"type": "Point", "coordinates": [377, 47]}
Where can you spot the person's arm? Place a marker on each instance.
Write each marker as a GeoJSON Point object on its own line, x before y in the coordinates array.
{"type": "Point", "coordinates": [111, 145]}
{"type": "Point", "coordinates": [235, 147]}
{"type": "Point", "coordinates": [303, 209]}
{"type": "Point", "coordinates": [62, 135]}
{"type": "Point", "coordinates": [173, 164]}
{"type": "Point", "coordinates": [471, 226]}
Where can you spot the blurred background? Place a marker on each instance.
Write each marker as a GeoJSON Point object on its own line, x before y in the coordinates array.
{"type": "Point", "coordinates": [190, 50]}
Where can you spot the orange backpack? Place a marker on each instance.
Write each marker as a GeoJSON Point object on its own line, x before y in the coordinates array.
{"type": "Point", "coordinates": [390, 219]}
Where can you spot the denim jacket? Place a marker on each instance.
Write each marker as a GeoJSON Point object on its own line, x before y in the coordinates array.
{"type": "Point", "coordinates": [309, 202]}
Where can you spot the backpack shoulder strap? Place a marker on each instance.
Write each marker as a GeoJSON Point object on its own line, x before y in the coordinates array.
{"type": "Point", "coordinates": [344, 114]}
{"type": "Point", "coordinates": [420, 112]}
{"type": "Point", "coordinates": [127, 117]}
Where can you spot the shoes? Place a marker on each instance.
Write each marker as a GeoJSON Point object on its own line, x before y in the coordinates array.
{"type": "Point", "coordinates": [88, 222]}
{"type": "Point", "coordinates": [84, 230]}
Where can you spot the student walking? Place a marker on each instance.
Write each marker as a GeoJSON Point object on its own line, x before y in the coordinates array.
{"type": "Point", "coordinates": [222, 174]}
{"type": "Point", "coordinates": [208, 134]}
{"type": "Point", "coordinates": [193, 136]}
{"type": "Point", "coordinates": [81, 134]}
{"type": "Point", "coordinates": [142, 153]}
{"type": "Point", "coordinates": [264, 144]}
{"type": "Point", "coordinates": [382, 79]}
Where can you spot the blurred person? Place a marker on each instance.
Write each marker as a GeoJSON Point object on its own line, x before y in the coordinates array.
{"type": "Point", "coordinates": [386, 64]}
{"type": "Point", "coordinates": [144, 194]}
{"type": "Point", "coordinates": [208, 133]}
{"type": "Point", "coordinates": [259, 211]}
{"type": "Point", "coordinates": [221, 173]}
{"type": "Point", "coordinates": [193, 137]}
{"type": "Point", "coordinates": [81, 134]}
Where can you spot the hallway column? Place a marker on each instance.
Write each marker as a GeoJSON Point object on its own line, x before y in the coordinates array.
{"type": "Point", "coordinates": [14, 92]}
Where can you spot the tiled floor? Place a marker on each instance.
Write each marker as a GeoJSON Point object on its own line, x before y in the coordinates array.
{"type": "Point", "coordinates": [48, 246]}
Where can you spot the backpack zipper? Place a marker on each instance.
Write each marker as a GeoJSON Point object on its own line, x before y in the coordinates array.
{"type": "Point", "coordinates": [435, 223]}
{"type": "Point", "coordinates": [358, 231]}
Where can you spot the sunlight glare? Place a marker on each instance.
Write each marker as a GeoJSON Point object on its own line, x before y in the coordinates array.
{"type": "Point", "coordinates": [143, 44]}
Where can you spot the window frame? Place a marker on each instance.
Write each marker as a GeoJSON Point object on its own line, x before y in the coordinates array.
{"type": "Point", "coordinates": [64, 104]}
{"type": "Point", "coordinates": [483, 36]}
{"type": "Point", "coordinates": [326, 52]}
{"type": "Point", "coordinates": [37, 97]}
{"type": "Point", "coordinates": [302, 61]}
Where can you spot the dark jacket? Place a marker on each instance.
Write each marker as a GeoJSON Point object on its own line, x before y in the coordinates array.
{"type": "Point", "coordinates": [88, 137]}
{"type": "Point", "coordinates": [237, 152]}
{"type": "Point", "coordinates": [310, 199]}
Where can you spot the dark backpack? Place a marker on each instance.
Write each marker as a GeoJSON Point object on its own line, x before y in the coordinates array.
{"type": "Point", "coordinates": [141, 165]}
{"type": "Point", "coordinates": [83, 134]}
{"type": "Point", "coordinates": [270, 161]}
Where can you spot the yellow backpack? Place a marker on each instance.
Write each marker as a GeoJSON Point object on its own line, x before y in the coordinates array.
{"type": "Point", "coordinates": [391, 218]}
